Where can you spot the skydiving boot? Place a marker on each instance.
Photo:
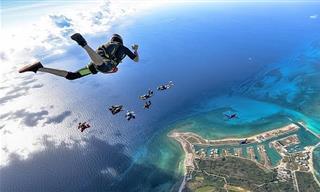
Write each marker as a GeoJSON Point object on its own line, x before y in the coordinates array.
{"type": "Point", "coordinates": [33, 67]}
{"type": "Point", "coordinates": [79, 39]}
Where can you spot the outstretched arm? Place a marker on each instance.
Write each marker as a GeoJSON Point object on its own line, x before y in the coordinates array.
{"type": "Point", "coordinates": [135, 48]}
{"type": "Point", "coordinates": [133, 55]}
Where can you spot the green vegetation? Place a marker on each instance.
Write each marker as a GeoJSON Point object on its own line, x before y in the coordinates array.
{"type": "Point", "coordinates": [236, 189]}
{"type": "Point", "coordinates": [205, 189]}
{"type": "Point", "coordinates": [240, 174]}
{"type": "Point", "coordinates": [237, 170]}
{"type": "Point", "coordinates": [202, 182]}
{"type": "Point", "coordinates": [306, 182]}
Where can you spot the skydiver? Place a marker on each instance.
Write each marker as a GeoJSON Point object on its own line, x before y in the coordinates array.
{"type": "Point", "coordinates": [80, 125]}
{"type": "Point", "coordinates": [115, 109]}
{"type": "Point", "coordinates": [170, 84]}
{"type": "Point", "coordinates": [130, 115]}
{"type": "Point", "coordinates": [232, 116]}
{"type": "Point", "coordinates": [150, 92]}
{"type": "Point", "coordinates": [83, 126]}
{"type": "Point", "coordinates": [147, 96]}
{"type": "Point", "coordinates": [147, 105]}
{"type": "Point", "coordinates": [162, 87]}
{"type": "Point", "coordinates": [105, 59]}
{"type": "Point", "coordinates": [166, 86]}
{"type": "Point", "coordinates": [244, 142]}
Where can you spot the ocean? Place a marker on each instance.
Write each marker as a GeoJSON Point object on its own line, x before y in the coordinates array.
{"type": "Point", "coordinates": [243, 41]}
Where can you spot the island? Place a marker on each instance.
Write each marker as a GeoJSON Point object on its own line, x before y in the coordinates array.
{"type": "Point", "coordinates": [276, 160]}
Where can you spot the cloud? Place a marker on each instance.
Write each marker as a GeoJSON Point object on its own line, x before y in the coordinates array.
{"type": "Point", "coordinates": [117, 133]}
{"type": "Point", "coordinates": [7, 98]}
{"type": "Point", "coordinates": [58, 118]}
{"type": "Point", "coordinates": [16, 90]}
{"type": "Point", "coordinates": [61, 21]}
{"type": "Point", "coordinates": [3, 56]}
{"type": "Point", "coordinates": [6, 132]}
{"type": "Point", "coordinates": [4, 116]}
{"type": "Point", "coordinates": [4, 87]}
{"type": "Point", "coordinates": [313, 16]}
{"type": "Point", "coordinates": [87, 165]}
{"type": "Point", "coordinates": [31, 119]}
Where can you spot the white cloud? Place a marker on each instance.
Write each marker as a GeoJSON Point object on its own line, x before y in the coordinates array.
{"type": "Point", "coordinates": [313, 16]}
{"type": "Point", "coordinates": [49, 34]}
{"type": "Point", "coordinates": [61, 21]}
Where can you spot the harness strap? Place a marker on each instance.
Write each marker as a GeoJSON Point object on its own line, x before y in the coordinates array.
{"type": "Point", "coordinates": [92, 68]}
{"type": "Point", "coordinates": [112, 57]}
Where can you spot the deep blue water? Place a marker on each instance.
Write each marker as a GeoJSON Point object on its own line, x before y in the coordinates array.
{"type": "Point", "coordinates": [207, 49]}
{"type": "Point", "coordinates": [208, 56]}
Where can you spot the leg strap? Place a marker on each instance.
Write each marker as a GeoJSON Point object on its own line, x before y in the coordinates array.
{"type": "Point", "coordinates": [80, 73]}
{"type": "Point", "coordinates": [92, 68]}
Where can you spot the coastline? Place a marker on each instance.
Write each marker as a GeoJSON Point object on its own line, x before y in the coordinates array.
{"type": "Point", "coordinates": [235, 140]}
{"type": "Point", "coordinates": [190, 154]}
{"type": "Point", "coordinates": [188, 164]}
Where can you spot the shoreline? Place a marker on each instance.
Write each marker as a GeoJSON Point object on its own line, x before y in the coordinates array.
{"type": "Point", "coordinates": [188, 164]}
{"type": "Point", "coordinates": [185, 138]}
{"type": "Point", "coordinates": [257, 138]}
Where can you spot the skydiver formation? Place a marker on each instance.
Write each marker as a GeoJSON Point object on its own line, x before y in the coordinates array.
{"type": "Point", "coordinates": [115, 109]}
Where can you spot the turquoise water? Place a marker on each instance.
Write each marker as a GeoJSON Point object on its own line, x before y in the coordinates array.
{"type": "Point", "coordinates": [231, 150]}
{"type": "Point", "coordinates": [273, 155]}
{"type": "Point", "coordinates": [208, 121]}
{"type": "Point", "coordinates": [244, 152]}
{"type": "Point", "coordinates": [306, 138]}
{"type": "Point", "coordinates": [257, 155]}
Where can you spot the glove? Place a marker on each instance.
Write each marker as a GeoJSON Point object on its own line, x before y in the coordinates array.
{"type": "Point", "coordinates": [135, 47]}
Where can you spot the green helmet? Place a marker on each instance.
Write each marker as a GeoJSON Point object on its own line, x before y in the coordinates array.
{"type": "Point", "coordinates": [116, 38]}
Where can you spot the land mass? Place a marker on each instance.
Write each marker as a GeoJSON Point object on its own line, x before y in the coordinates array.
{"type": "Point", "coordinates": [276, 160]}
